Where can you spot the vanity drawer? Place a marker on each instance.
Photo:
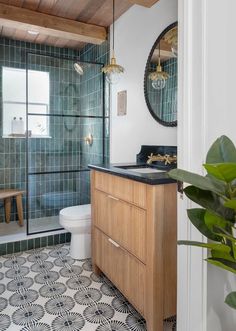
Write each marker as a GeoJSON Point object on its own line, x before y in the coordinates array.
{"type": "Point", "coordinates": [121, 188]}
{"type": "Point", "coordinates": [123, 222]}
{"type": "Point", "coordinates": [124, 270]}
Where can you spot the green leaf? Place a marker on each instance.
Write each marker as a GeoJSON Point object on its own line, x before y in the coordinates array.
{"type": "Point", "coordinates": [223, 264]}
{"type": "Point", "coordinates": [230, 204]}
{"type": "Point", "coordinates": [222, 255]}
{"type": "Point", "coordinates": [222, 171]}
{"type": "Point", "coordinates": [222, 150]}
{"type": "Point", "coordinates": [201, 182]}
{"type": "Point", "coordinates": [210, 201]}
{"type": "Point", "coordinates": [197, 218]}
{"type": "Point", "coordinates": [212, 220]}
{"type": "Point", "coordinates": [214, 171]}
{"type": "Point", "coordinates": [230, 300]}
{"type": "Point", "coordinates": [216, 247]}
{"type": "Point", "coordinates": [225, 235]}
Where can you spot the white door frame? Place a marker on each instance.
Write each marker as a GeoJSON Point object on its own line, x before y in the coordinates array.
{"type": "Point", "coordinates": [192, 270]}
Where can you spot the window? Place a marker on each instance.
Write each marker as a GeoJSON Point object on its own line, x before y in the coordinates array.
{"type": "Point", "coordinates": [14, 102]}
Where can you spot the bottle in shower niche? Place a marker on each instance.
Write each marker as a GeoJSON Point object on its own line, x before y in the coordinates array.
{"type": "Point", "coordinates": [21, 126]}
{"type": "Point", "coordinates": [17, 126]}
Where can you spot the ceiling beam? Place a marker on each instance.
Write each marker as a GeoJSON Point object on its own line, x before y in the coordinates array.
{"type": "Point", "coordinates": [25, 19]}
{"type": "Point", "coordinates": [144, 3]}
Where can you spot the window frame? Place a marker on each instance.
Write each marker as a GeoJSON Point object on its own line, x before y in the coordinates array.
{"type": "Point", "coordinates": [5, 102]}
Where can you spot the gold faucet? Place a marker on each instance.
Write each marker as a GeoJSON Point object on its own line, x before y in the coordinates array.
{"type": "Point", "coordinates": [163, 158]}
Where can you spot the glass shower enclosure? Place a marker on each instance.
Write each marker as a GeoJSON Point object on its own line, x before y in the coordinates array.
{"type": "Point", "coordinates": [67, 127]}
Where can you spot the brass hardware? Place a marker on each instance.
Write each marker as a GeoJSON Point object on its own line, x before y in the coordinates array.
{"type": "Point", "coordinates": [113, 67]}
{"type": "Point", "coordinates": [113, 243]}
{"type": "Point", "coordinates": [163, 158]}
{"type": "Point", "coordinates": [113, 198]}
{"type": "Point", "coordinates": [89, 139]}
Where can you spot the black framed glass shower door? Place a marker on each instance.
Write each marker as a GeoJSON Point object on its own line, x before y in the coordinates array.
{"type": "Point", "coordinates": [63, 108]}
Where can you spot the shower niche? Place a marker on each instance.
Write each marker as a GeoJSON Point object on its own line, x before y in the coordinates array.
{"type": "Point", "coordinates": [59, 117]}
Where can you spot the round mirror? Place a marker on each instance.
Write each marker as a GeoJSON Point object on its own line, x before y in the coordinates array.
{"type": "Point", "coordinates": [160, 80]}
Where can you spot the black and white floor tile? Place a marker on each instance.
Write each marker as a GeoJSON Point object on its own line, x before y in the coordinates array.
{"type": "Point", "coordinates": [46, 290]}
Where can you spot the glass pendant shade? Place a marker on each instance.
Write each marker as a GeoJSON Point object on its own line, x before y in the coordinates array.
{"type": "Point", "coordinates": [159, 83]}
{"type": "Point", "coordinates": [113, 71]}
{"type": "Point", "coordinates": [158, 77]}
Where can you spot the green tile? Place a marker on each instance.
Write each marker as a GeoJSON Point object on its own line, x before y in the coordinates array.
{"type": "Point", "coordinates": [62, 238]}
{"type": "Point", "coordinates": [68, 237]}
{"type": "Point", "coordinates": [56, 239]}
{"type": "Point", "coordinates": [16, 246]}
{"type": "Point", "coordinates": [3, 249]}
{"type": "Point", "coordinates": [9, 248]}
{"type": "Point", "coordinates": [50, 241]}
{"type": "Point", "coordinates": [37, 243]}
{"type": "Point", "coordinates": [24, 245]}
{"type": "Point", "coordinates": [30, 244]}
{"type": "Point", "coordinates": [44, 242]}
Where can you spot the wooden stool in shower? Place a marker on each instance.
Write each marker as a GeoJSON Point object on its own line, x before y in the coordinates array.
{"type": "Point", "coordinates": [7, 195]}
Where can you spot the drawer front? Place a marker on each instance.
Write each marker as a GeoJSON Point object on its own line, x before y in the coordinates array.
{"type": "Point", "coordinates": [125, 271]}
{"type": "Point", "coordinates": [124, 189]}
{"type": "Point", "coordinates": [123, 222]}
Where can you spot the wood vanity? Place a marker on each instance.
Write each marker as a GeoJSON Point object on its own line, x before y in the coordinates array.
{"type": "Point", "coordinates": [134, 242]}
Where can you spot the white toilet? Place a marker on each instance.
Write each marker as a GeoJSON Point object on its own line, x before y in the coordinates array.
{"type": "Point", "coordinates": [77, 221]}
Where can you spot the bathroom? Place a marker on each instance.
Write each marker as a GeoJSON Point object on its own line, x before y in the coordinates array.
{"type": "Point", "coordinates": [70, 123]}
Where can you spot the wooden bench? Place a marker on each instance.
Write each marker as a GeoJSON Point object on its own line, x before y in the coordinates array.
{"type": "Point", "coordinates": [7, 195]}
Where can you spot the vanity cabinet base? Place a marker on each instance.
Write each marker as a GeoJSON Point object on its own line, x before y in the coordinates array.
{"type": "Point", "coordinates": [140, 263]}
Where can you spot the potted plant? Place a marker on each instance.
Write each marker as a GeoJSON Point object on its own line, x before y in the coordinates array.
{"type": "Point", "coordinates": [215, 217]}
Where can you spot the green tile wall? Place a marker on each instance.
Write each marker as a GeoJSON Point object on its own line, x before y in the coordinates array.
{"type": "Point", "coordinates": [66, 150]}
{"type": "Point", "coordinates": [24, 245]}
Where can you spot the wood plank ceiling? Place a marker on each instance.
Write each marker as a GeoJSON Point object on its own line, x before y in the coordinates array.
{"type": "Point", "coordinates": [97, 12]}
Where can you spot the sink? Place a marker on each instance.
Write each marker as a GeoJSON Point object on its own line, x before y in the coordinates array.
{"type": "Point", "coordinates": [141, 169]}
{"type": "Point", "coordinates": [145, 170]}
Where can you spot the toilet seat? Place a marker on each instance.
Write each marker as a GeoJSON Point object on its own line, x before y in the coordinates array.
{"type": "Point", "coordinates": [76, 213]}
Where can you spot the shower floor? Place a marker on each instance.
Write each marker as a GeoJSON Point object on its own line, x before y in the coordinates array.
{"type": "Point", "coordinates": [13, 232]}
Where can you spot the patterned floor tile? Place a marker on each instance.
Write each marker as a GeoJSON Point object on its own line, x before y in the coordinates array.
{"type": "Point", "coordinates": [47, 290]}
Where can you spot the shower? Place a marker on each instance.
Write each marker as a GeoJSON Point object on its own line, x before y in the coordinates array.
{"type": "Point", "coordinates": [57, 165]}
{"type": "Point", "coordinates": [78, 68]}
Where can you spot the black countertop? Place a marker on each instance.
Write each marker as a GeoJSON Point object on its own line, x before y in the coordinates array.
{"type": "Point", "coordinates": [122, 170]}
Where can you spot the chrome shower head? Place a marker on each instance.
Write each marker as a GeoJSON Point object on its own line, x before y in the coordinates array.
{"type": "Point", "coordinates": [78, 68]}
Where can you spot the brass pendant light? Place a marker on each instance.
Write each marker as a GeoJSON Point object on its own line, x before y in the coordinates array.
{"type": "Point", "coordinates": [158, 77]}
{"type": "Point", "coordinates": [113, 70]}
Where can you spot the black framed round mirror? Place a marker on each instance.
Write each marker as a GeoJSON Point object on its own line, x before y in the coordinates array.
{"type": "Point", "coordinates": [160, 78]}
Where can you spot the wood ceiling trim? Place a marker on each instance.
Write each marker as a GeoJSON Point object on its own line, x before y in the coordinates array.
{"type": "Point", "coordinates": [25, 19]}
{"type": "Point", "coordinates": [144, 3]}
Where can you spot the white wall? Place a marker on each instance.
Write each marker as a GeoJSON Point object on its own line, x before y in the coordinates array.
{"type": "Point", "coordinates": [135, 33]}
{"type": "Point", "coordinates": [207, 110]}
{"type": "Point", "coordinates": [221, 119]}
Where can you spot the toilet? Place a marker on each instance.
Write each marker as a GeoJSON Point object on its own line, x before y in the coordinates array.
{"type": "Point", "coordinates": [77, 221]}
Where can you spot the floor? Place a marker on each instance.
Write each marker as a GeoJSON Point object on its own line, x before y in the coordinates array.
{"type": "Point", "coordinates": [46, 290]}
{"type": "Point", "coordinates": [14, 232]}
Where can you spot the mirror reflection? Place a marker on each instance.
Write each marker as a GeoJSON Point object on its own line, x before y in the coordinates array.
{"type": "Point", "coordinates": [161, 77]}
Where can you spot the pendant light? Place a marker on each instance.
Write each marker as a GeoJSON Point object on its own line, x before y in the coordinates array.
{"type": "Point", "coordinates": [158, 77]}
{"type": "Point", "coordinates": [171, 38]}
{"type": "Point", "coordinates": [113, 70]}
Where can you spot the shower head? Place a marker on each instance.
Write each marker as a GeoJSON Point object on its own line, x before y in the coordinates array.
{"type": "Point", "coordinates": [78, 68]}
